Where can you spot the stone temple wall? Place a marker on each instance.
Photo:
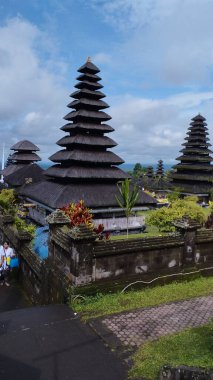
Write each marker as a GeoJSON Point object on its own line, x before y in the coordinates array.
{"type": "Point", "coordinates": [79, 261]}
{"type": "Point", "coordinates": [102, 265]}
{"type": "Point", "coordinates": [42, 280]}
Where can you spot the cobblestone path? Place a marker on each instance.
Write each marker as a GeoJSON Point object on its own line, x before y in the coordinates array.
{"type": "Point", "coordinates": [136, 327]}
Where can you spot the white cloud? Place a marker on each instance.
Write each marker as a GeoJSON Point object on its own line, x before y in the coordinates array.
{"type": "Point", "coordinates": [148, 130]}
{"type": "Point", "coordinates": [170, 41]}
{"type": "Point", "coordinates": [33, 100]}
{"type": "Point", "coordinates": [102, 58]}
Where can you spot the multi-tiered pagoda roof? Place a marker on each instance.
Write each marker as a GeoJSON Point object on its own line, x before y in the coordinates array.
{"type": "Point", "coordinates": [160, 169]}
{"type": "Point", "coordinates": [150, 172]}
{"type": "Point", "coordinates": [85, 167]}
{"type": "Point", "coordinates": [22, 164]}
{"type": "Point", "coordinates": [194, 173]}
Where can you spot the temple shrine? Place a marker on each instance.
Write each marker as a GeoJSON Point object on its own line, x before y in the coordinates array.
{"type": "Point", "coordinates": [160, 169]}
{"type": "Point", "coordinates": [194, 173]}
{"type": "Point", "coordinates": [85, 167]}
{"type": "Point", "coordinates": [21, 167]}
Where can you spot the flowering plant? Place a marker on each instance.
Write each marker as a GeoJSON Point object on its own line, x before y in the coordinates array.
{"type": "Point", "coordinates": [79, 214]}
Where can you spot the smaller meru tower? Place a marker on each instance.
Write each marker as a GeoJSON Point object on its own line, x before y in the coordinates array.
{"type": "Point", "coordinates": [160, 169]}
{"type": "Point", "coordinates": [194, 173]}
{"type": "Point", "coordinates": [22, 167]}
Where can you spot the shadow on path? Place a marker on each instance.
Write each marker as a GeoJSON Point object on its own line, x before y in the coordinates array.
{"type": "Point", "coordinates": [50, 343]}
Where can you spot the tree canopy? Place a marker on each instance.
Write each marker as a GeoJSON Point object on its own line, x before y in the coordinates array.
{"type": "Point", "coordinates": [164, 217]}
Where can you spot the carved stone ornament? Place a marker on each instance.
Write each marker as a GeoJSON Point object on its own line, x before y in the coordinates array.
{"type": "Point", "coordinates": [58, 217]}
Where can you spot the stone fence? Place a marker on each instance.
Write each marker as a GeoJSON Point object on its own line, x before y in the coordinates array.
{"type": "Point", "coordinates": [77, 258]}
{"type": "Point", "coordinates": [100, 265]}
{"type": "Point", "coordinates": [185, 373]}
{"type": "Point", "coordinates": [43, 281]}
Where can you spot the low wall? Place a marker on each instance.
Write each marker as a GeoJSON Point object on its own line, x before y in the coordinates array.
{"type": "Point", "coordinates": [77, 258]}
{"type": "Point", "coordinates": [42, 281]}
{"type": "Point", "coordinates": [185, 373]}
{"type": "Point", "coordinates": [112, 263]}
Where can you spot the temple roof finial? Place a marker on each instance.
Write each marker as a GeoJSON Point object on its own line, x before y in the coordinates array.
{"type": "Point", "coordinates": [88, 59]}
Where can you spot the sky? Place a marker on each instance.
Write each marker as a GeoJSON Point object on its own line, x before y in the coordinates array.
{"type": "Point", "coordinates": [156, 62]}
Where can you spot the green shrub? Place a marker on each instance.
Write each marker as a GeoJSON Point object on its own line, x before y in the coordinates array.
{"type": "Point", "coordinates": [21, 225]}
{"type": "Point", "coordinates": [165, 216]}
{"type": "Point", "coordinates": [8, 201]}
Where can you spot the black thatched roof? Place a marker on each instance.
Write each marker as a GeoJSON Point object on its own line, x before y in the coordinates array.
{"type": "Point", "coordinates": [25, 145]}
{"type": "Point", "coordinates": [194, 171]}
{"type": "Point", "coordinates": [188, 158]}
{"type": "Point", "coordinates": [12, 168]}
{"type": "Point", "coordinates": [88, 85]}
{"type": "Point", "coordinates": [89, 68]}
{"type": "Point", "coordinates": [160, 169]}
{"type": "Point", "coordinates": [55, 195]}
{"type": "Point", "coordinates": [22, 164]}
{"type": "Point", "coordinates": [89, 94]}
{"type": "Point", "coordinates": [27, 157]}
{"type": "Point", "coordinates": [28, 173]}
{"type": "Point", "coordinates": [25, 153]}
{"type": "Point", "coordinates": [87, 173]}
{"type": "Point", "coordinates": [85, 169]}
{"type": "Point", "coordinates": [80, 139]}
{"type": "Point", "coordinates": [85, 114]}
{"type": "Point", "coordinates": [87, 103]}
{"type": "Point", "coordinates": [86, 127]}
{"type": "Point", "coordinates": [199, 118]}
{"type": "Point", "coordinates": [86, 154]}
{"type": "Point", "coordinates": [85, 157]}
{"type": "Point", "coordinates": [89, 77]}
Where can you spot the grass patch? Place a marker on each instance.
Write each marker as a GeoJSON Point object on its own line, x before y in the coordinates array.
{"type": "Point", "coordinates": [150, 231]}
{"type": "Point", "coordinates": [192, 347]}
{"type": "Point", "coordinates": [100, 305]}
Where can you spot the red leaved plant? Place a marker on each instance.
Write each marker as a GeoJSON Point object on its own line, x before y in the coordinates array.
{"type": "Point", "coordinates": [79, 214]}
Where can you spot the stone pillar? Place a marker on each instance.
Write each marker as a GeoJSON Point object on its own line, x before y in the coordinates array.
{"type": "Point", "coordinates": [71, 248]}
{"type": "Point", "coordinates": [55, 220]}
{"type": "Point", "coordinates": [82, 240]}
{"type": "Point", "coordinates": [188, 228]}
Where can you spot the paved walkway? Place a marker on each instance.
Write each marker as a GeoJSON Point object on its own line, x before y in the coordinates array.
{"type": "Point", "coordinates": [50, 343]}
{"type": "Point", "coordinates": [131, 329]}
{"type": "Point", "coordinates": [12, 297]}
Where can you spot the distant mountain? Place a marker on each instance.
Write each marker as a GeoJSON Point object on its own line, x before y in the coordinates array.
{"type": "Point", "coordinates": [125, 167]}
{"type": "Point", "coordinates": [129, 167]}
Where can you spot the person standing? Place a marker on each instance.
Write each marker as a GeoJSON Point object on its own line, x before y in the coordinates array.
{"type": "Point", "coordinates": [6, 252]}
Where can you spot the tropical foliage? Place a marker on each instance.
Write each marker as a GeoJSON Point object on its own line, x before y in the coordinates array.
{"type": "Point", "coordinates": [164, 217]}
{"type": "Point", "coordinates": [8, 201]}
{"type": "Point", "coordinates": [127, 198]}
{"type": "Point", "coordinates": [9, 204]}
{"type": "Point", "coordinates": [21, 225]}
{"type": "Point", "coordinates": [79, 214]}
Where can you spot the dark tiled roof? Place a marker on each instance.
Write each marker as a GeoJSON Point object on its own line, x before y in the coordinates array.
{"type": "Point", "coordinates": [194, 170]}
{"type": "Point", "coordinates": [24, 145]}
{"type": "Point", "coordinates": [86, 173]}
{"type": "Point", "coordinates": [77, 104]}
{"type": "Point", "coordinates": [79, 139]}
{"type": "Point", "coordinates": [86, 114]}
{"type": "Point", "coordinates": [30, 157]}
{"type": "Point", "coordinates": [12, 168]}
{"type": "Point", "coordinates": [89, 157]}
{"type": "Point", "coordinates": [31, 172]}
{"type": "Point", "coordinates": [198, 118]}
{"type": "Point", "coordinates": [54, 194]}
{"type": "Point", "coordinates": [87, 127]}
{"type": "Point", "coordinates": [89, 67]}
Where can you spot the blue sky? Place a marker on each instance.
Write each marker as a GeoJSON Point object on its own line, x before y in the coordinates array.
{"type": "Point", "coordinates": [156, 62]}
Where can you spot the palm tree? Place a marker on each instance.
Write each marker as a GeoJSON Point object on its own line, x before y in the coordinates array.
{"type": "Point", "coordinates": [127, 198]}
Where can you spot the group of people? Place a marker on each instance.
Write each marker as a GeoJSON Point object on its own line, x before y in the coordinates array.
{"type": "Point", "coordinates": [6, 253]}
